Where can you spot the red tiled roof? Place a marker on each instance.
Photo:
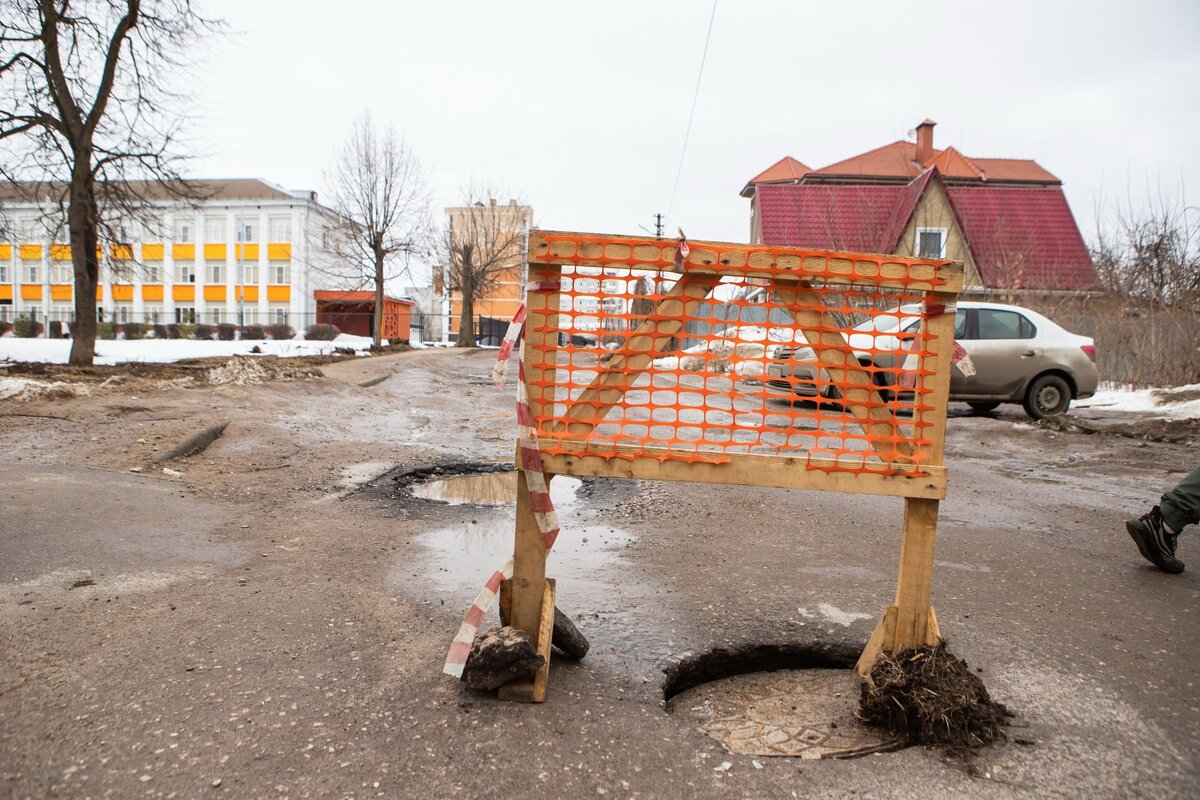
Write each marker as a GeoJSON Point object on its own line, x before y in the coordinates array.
{"type": "Point", "coordinates": [1014, 169]}
{"type": "Point", "coordinates": [826, 216]}
{"type": "Point", "coordinates": [953, 164]}
{"type": "Point", "coordinates": [1020, 237]}
{"type": "Point", "coordinates": [895, 160]}
{"type": "Point", "coordinates": [1023, 237]}
{"type": "Point", "coordinates": [785, 169]}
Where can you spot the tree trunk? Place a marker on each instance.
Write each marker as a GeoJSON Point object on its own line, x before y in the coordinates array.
{"type": "Point", "coordinates": [81, 220]}
{"type": "Point", "coordinates": [466, 322]}
{"type": "Point", "coordinates": [377, 333]}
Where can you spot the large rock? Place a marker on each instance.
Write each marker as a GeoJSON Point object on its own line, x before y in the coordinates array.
{"type": "Point", "coordinates": [500, 655]}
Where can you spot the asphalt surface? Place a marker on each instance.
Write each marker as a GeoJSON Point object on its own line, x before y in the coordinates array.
{"type": "Point", "coordinates": [272, 622]}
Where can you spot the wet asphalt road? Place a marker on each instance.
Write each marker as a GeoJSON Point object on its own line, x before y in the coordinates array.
{"type": "Point", "coordinates": [258, 628]}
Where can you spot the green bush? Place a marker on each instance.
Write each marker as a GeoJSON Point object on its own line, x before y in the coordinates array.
{"type": "Point", "coordinates": [24, 327]}
{"type": "Point", "coordinates": [106, 330]}
{"type": "Point", "coordinates": [134, 330]}
{"type": "Point", "coordinates": [322, 332]}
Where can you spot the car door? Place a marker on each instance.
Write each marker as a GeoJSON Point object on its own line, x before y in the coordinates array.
{"type": "Point", "coordinates": [1006, 349]}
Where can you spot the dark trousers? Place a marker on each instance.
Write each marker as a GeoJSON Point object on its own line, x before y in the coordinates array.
{"type": "Point", "coordinates": [1181, 505]}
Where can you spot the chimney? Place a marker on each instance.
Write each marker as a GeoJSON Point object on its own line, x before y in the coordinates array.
{"type": "Point", "coordinates": [925, 141]}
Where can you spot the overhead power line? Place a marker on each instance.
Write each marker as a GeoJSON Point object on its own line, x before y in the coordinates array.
{"type": "Point", "coordinates": [691, 115]}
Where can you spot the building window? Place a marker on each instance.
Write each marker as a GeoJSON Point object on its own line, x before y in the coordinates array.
{"type": "Point", "coordinates": [62, 272]}
{"type": "Point", "coordinates": [931, 243]}
{"type": "Point", "coordinates": [249, 276]}
{"type": "Point", "coordinates": [62, 312]}
{"type": "Point", "coordinates": [280, 272]}
{"type": "Point", "coordinates": [216, 315]}
{"type": "Point", "coordinates": [279, 315]}
{"type": "Point", "coordinates": [214, 230]}
{"type": "Point", "coordinates": [183, 231]}
{"type": "Point", "coordinates": [281, 229]}
{"type": "Point", "coordinates": [247, 230]}
{"type": "Point", "coordinates": [122, 313]}
{"type": "Point", "coordinates": [185, 272]}
{"type": "Point", "coordinates": [152, 314]}
{"type": "Point", "coordinates": [3, 272]}
{"type": "Point", "coordinates": [154, 272]}
{"type": "Point", "coordinates": [6, 311]}
{"type": "Point", "coordinates": [33, 272]}
{"type": "Point", "coordinates": [215, 272]}
{"type": "Point", "coordinates": [99, 313]}
{"type": "Point", "coordinates": [185, 315]}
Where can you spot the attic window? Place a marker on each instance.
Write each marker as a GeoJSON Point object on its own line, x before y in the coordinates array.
{"type": "Point", "coordinates": [931, 243]}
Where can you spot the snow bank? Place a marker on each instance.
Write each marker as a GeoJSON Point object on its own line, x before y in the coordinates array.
{"type": "Point", "coordinates": [1122, 399]}
{"type": "Point", "coordinates": [165, 351]}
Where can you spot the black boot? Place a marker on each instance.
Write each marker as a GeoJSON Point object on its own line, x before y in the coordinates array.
{"type": "Point", "coordinates": [1155, 541]}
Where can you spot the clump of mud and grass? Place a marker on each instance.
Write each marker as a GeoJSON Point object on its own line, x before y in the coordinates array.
{"type": "Point", "coordinates": [930, 696]}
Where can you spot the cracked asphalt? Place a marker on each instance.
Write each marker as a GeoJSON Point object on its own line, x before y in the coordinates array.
{"type": "Point", "coordinates": [271, 622]}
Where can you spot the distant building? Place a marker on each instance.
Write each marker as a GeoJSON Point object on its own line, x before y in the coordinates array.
{"type": "Point", "coordinates": [508, 222]}
{"type": "Point", "coordinates": [249, 252]}
{"type": "Point", "coordinates": [1006, 219]}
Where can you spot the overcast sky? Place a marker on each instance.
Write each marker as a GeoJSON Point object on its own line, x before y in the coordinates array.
{"type": "Point", "coordinates": [581, 108]}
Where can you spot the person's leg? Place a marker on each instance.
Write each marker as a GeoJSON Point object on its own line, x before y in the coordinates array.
{"type": "Point", "coordinates": [1181, 505]}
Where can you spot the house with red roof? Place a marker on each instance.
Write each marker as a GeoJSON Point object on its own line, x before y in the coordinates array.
{"type": "Point", "coordinates": [1006, 219]}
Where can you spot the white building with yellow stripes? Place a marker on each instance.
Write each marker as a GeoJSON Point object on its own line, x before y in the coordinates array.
{"type": "Point", "coordinates": [248, 252]}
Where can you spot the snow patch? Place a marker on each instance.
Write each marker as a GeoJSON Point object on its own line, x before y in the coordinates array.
{"type": "Point", "coordinates": [1122, 399]}
{"type": "Point", "coordinates": [166, 351]}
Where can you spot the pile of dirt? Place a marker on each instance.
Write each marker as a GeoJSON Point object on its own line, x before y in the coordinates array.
{"type": "Point", "coordinates": [932, 697]}
{"type": "Point", "coordinates": [1173, 431]}
{"type": "Point", "coordinates": [243, 370]}
{"type": "Point", "coordinates": [26, 389]}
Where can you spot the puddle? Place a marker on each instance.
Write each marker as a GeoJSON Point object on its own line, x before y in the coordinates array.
{"type": "Point", "coordinates": [492, 489]}
{"type": "Point", "coordinates": [464, 555]}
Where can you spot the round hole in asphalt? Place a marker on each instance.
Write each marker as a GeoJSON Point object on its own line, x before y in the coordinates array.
{"type": "Point", "coordinates": [776, 700]}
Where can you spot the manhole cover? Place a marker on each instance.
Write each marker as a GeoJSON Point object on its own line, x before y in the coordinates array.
{"type": "Point", "coordinates": [800, 713]}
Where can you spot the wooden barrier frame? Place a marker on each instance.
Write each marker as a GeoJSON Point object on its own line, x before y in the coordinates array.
{"type": "Point", "coordinates": [908, 622]}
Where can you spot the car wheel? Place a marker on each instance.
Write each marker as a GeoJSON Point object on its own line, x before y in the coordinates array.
{"type": "Point", "coordinates": [1047, 395]}
{"type": "Point", "coordinates": [983, 408]}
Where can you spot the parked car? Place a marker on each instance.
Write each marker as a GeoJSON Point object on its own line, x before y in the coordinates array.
{"type": "Point", "coordinates": [1019, 356]}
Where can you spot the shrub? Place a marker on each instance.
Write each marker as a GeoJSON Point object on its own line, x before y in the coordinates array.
{"type": "Point", "coordinates": [396, 340]}
{"type": "Point", "coordinates": [205, 331]}
{"type": "Point", "coordinates": [281, 330]}
{"type": "Point", "coordinates": [186, 330]}
{"type": "Point", "coordinates": [322, 332]}
{"type": "Point", "coordinates": [5, 327]}
{"type": "Point", "coordinates": [134, 330]}
{"type": "Point", "coordinates": [106, 330]}
{"type": "Point", "coordinates": [253, 332]}
{"type": "Point", "coordinates": [226, 331]}
{"type": "Point", "coordinates": [24, 327]}
{"type": "Point", "coordinates": [56, 329]}
{"type": "Point", "coordinates": [163, 332]}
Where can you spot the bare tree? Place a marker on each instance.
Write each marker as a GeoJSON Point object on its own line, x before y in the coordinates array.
{"type": "Point", "coordinates": [1153, 254]}
{"type": "Point", "coordinates": [485, 244]}
{"type": "Point", "coordinates": [87, 113]}
{"type": "Point", "coordinates": [381, 194]}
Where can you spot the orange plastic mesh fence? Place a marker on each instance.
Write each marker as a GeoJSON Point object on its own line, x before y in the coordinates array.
{"type": "Point", "coordinates": [695, 363]}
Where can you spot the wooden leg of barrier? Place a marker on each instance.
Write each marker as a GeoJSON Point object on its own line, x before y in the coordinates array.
{"type": "Point", "coordinates": [528, 587]}
{"type": "Point", "coordinates": [534, 690]}
{"type": "Point", "coordinates": [911, 622]}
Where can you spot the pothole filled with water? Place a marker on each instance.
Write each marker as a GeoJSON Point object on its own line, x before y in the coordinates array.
{"type": "Point", "coordinates": [787, 700]}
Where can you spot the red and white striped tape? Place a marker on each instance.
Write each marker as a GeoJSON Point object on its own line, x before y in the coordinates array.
{"type": "Point", "coordinates": [960, 357]}
{"type": "Point", "coordinates": [529, 456]}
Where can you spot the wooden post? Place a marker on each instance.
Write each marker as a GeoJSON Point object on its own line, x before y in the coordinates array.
{"type": "Point", "coordinates": [911, 622]}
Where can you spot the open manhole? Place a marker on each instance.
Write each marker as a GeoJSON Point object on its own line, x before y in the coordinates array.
{"type": "Point", "coordinates": [784, 700]}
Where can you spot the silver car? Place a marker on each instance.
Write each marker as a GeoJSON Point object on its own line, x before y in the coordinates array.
{"type": "Point", "coordinates": [1019, 356]}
